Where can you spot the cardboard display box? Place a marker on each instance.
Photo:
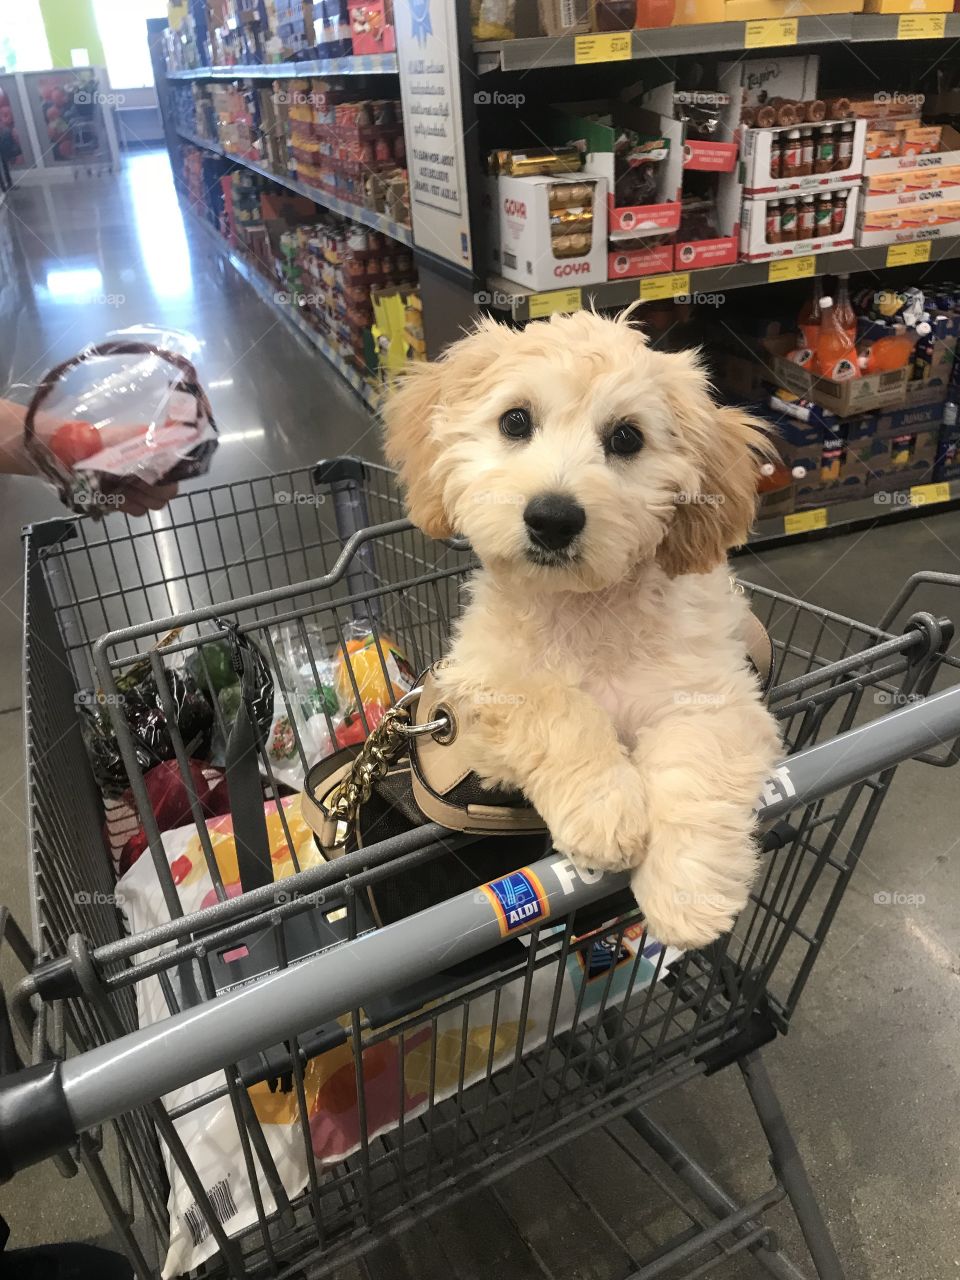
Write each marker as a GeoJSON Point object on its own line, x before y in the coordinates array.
{"type": "Point", "coordinates": [835, 471]}
{"type": "Point", "coordinates": [622, 264]}
{"type": "Point", "coordinates": [842, 398]}
{"type": "Point", "coordinates": [947, 465]}
{"type": "Point", "coordinates": [630, 221]}
{"type": "Point", "coordinates": [754, 246]}
{"type": "Point", "coordinates": [929, 221]}
{"type": "Point", "coordinates": [946, 157]}
{"type": "Point", "coordinates": [716, 158]}
{"type": "Point", "coordinates": [526, 255]}
{"type": "Point", "coordinates": [753, 81]}
{"type": "Point", "coordinates": [908, 6]}
{"type": "Point", "coordinates": [748, 10]}
{"type": "Point", "coordinates": [756, 148]}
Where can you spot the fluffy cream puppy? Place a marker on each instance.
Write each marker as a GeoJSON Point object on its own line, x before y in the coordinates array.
{"type": "Point", "coordinates": [600, 664]}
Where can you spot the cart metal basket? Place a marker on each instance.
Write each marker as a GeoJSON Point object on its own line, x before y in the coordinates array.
{"type": "Point", "coordinates": [601, 1018]}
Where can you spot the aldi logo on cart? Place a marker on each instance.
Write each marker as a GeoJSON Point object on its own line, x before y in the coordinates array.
{"type": "Point", "coordinates": [518, 899]}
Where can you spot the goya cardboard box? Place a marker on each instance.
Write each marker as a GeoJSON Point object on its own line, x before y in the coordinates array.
{"type": "Point", "coordinates": [530, 252]}
{"type": "Point", "coordinates": [931, 220]}
{"type": "Point", "coordinates": [948, 156]}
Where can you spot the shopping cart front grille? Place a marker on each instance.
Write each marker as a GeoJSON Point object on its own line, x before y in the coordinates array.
{"type": "Point", "coordinates": [346, 1132]}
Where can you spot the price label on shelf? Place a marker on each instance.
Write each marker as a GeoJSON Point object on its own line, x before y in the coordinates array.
{"type": "Point", "coordinates": [804, 521]}
{"type": "Point", "coordinates": [655, 288]}
{"type": "Point", "coordinates": [765, 32]}
{"type": "Point", "coordinates": [921, 495]}
{"type": "Point", "coordinates": [921, 26]}
{"type": "Point", "coordinates": [791, 269]}
{"type": "Point", "coordinates": [547, 304]}
{"type": "Point", "coordinates": [905, 255]}
{"type": "Point", "coordinates": [611, 46]}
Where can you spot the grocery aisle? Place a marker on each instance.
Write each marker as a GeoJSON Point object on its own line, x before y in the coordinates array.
{"type": "Point", "coordinates": [881, 1010]}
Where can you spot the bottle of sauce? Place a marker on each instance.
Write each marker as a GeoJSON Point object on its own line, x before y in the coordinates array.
{"type": "Point", "coordinates": [790, 165]}
{"type": "Point", "coordinates": [838, 213]}
{"type": "Point", "coordinates": [845, 147]}
{"type": "Point", "coordinates": [807, 151]}
{"type": "Point", "coordinates": [773, 222]}
{"type": "Point", "coordinates": [776, 159]}
{"type": "Point", "coordinates": [807, 219]}
{"type": "Point", "coordinates": [836, 354]}
{"type": "Point", "coordinates": [826, 149]}
{"type": "Point", "coordinates": [789, 223]}
{"type": "Point", "coordinates": [823, 214]}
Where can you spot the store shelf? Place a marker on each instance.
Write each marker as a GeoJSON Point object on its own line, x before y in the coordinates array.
{"type": "Point", "coordinates": [861, 513]}
{"type": "Point", "coordinates": [716, 37]}
{"type": "Point", "coordinates": [370, 64]}
{"type": "Point", "coordinates": [356, 212]}
{"type": "Point", "coordinates": [504, 295]}
{"type": "Point", "coordinates": [267, 291]}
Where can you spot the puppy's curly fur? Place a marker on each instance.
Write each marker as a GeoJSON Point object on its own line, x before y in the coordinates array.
{"type": "Point", "coordinates": [609, 681]}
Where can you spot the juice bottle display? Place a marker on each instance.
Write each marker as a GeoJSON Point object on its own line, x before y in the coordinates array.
{"type": "Point", "coordinates": [808, 321]}
{"type": "Point", "coordinates": [836, 354]}
{"type": "Point", "coordinates": [844, 308]}
{"type": "Point", "coordinates": [892, 351]}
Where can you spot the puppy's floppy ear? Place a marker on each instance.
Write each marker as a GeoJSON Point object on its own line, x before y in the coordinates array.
{"type": "Point", "coordinates": [412, 449]}
{"type": "Point", "coordinates": [726, 447]}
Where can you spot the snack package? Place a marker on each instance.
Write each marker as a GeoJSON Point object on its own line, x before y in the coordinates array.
{"type": "Point", "coordinates": [129, 409]}
{"type": "Point", "coordinates": [373, 670]}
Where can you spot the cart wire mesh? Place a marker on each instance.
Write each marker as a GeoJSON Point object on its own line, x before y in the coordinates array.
{"type": "Point", "coordinates": [544, 1038]}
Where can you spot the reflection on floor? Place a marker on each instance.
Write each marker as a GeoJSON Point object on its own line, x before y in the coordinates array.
{"type": "Point", "coordinates": [868, 1075]}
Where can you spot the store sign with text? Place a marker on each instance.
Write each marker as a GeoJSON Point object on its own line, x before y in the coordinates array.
{"type": "Point", "coordinates": [433, 126]}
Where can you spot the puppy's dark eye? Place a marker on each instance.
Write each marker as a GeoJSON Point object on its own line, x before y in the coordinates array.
{"type": "Point", "coordinates": [516, 424]}
{"type": "Point", "coordinates": [624, 440]}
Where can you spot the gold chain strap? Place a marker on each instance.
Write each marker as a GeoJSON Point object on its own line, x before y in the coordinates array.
{"type": "Point", "coordinates": [380, 750]}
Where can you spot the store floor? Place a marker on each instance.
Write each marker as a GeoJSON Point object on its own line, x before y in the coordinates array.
{"type": "Point", "coordinates": [869, 1074]}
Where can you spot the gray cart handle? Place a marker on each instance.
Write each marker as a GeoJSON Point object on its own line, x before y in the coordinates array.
{"type": "Point", "coordinates": [44, 1108]}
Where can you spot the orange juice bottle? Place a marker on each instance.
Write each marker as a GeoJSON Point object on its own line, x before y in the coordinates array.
{"type": "Point", "coordinates": [844, 308]}
{"type": "Point", "coordinates": [808, 321]}
{"type": "Point", "coordinates": [892, 351]}
{"type": "Point", "coordinates": [836, 353]}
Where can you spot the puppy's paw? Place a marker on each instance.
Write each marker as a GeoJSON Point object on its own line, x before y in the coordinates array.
{"type": "Point", "coordinates": [603, 825]}
{"type": "Point", "coordinates": [692, 886]}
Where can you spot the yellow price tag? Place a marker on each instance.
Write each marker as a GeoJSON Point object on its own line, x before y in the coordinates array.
{"type": "Point", "coordinates": [921, 26]}
{"type": "Point", "coordinates": [905, 255]}
{"type": "Point", "coordinates": [765, 32]}
{"type": "Point", "coordinates": [612, 46]}
{"type": "Point", "coordinates": [791, 269]}
{"type": "Point", "coordinates": [804, 521]}
{"type": "Point", "coordinates": [656, 288]}
{"type": "Point", "coordinates": [923, 494]}
{"type": "Point", "coordinates": [546, 304]}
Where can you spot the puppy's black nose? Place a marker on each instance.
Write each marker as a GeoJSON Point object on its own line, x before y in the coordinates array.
{"type": "Point", "coordinates": [554, 520]}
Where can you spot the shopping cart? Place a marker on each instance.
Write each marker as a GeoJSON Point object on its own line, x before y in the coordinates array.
{"type": "Point", "coordinates": [519, 1043]}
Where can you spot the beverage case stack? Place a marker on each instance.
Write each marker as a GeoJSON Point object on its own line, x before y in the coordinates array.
{"type": "Point", "coordinates": [887, 420]}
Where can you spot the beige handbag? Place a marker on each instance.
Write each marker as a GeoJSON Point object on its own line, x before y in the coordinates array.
{"type": "Point", "coordinates": [415, 767]}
